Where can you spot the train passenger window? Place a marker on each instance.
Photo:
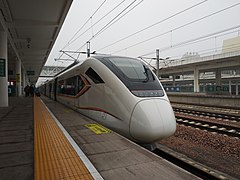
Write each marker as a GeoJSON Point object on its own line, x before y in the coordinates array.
{"type": "Point", "coordinates": [69, 87]}
{"type": "Point", "coordinates": [60, 87]}
{"type": "Point", "coordinates": [81, 84]}
{"type": "Point", "coordinates": [94, 76]}
{"type": "Point", "coordinates": [52, 87]}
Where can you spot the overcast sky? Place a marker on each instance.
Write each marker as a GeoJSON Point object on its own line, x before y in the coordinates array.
{"type": "Point", "coordinates": [145, 14]}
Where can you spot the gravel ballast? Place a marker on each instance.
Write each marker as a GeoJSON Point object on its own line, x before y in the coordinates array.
{"type": "Point", "coordinates": [216, 151]}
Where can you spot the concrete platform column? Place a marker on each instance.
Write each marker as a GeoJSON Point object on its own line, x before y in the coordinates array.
{"type": "Point", "coordinates": [3, 70]}
{"type": "Point", "coordinates": [230, 87]}
{"type": "Point", "coordinates": [196, 80]}
{"type": "Point", "coordinates": [24, 78]}
{"type": "Point", "coordinates": [218, 77]}
{"type": "Point", "coordinates": [174, 80]}
{"type": "Point", "coordinates": [18, 67]}
{"type": "Point", "coordinates": [237, 88]}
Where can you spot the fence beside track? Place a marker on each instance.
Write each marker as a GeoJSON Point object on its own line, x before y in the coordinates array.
{"type": "Point", "coordinates": [205, 99]}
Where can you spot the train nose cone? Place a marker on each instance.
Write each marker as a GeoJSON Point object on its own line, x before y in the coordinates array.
{"type": "Point", "coordinates": [151, 120]}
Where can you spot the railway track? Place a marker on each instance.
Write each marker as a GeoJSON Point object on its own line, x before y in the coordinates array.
{"type": "Point", "coordinates": [217, 115]}
{"type": "Point", "coordinates": [210, 109]}
{"type": "Point", "coordinates": [210, 119]}
{"type": "Point", "coordinates": [211, 127]}
{"type": "Point", "coordinates": [189, 165]}
{"type": "Point", "coordinates": [215, 120]}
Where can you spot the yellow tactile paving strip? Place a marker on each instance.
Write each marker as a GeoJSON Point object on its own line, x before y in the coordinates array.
{"type": "Point", "coordinates": [54, 157]}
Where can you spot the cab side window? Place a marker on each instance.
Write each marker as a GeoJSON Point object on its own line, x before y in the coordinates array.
{"type": "Point", "coordinates": [94, 76]}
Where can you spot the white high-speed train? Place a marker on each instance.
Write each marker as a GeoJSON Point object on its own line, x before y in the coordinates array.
{"type": "Point", "coordinates": [120, 93]}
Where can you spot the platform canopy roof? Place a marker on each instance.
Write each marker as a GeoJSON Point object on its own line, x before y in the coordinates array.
{"type": "Point", "coordinates": [32, 27]}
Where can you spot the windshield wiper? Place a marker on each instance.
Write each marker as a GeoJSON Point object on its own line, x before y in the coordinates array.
{"type": "Point", "coordinates": [146, 73]}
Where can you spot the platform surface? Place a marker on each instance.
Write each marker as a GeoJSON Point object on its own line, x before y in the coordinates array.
{"type": "Point", "coordinates": [16, 139]}
{"type": "Point", "coordinates": [112, 155]}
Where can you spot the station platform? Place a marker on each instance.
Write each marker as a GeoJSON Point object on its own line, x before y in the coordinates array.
{"type": "Point", "coordinates": [42, 139]}
{"type": "Point", "coordinates": [16, 139]}
{"type": "Point", "coordinates": [223, 101]}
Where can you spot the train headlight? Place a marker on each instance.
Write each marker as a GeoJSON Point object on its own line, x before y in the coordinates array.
{"type": "Point", "coordinates": [148, 93]}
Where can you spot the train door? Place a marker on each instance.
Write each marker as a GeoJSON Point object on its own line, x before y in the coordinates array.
{"type": "Point", "coordinates": [96, 99]}
{"type": "Point", "coordinates": [76, 82]}
{"type": "Point", "coordinates": [45, 89]}
{"type": "Point", "coordinates": [79, 89]}
{"type": "Point", "coordinates": [55, 90]}
{"type": "Point", "coordinates": [50, 90]}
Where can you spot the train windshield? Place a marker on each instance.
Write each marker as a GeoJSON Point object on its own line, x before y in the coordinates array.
{"type": "Point", "coordinates": [136, 76]}
{"type": "Point", "coordinates": [131, 68]}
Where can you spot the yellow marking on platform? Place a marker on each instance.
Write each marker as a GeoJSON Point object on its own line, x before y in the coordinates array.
{"type": "Point", "coordinates": [67, 110]}
{"type": "Point", "coordinates": [98, 129]}
{"type": "Point", "coordinates": [54, 157]}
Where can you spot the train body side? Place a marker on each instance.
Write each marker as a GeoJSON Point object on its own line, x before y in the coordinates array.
{"type": "Point", "coordinates": [95, 91]}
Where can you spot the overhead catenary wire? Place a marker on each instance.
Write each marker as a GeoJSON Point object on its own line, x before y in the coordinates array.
{"type": "Point", "coordinates": [196, 40]}
{"type": "Point", "coordinates": [120, 17]}
{"type": "Point", "coordinates": [213, 50]}
{"type": "Point", "coordinates": [177, 28]}
{"type": "Point", "coordinates": [73, 40]}
{"type": "Point", "coordinates": [157, 23]}
{"type": "Point", "coordinates": [202, 52]}
{"type": "Point", "coordinates": [69, 42]}
{"type": "Point", "coordinates": [106, 26]}
{"type": "Point", "coordinates": [178, 58]}
{"type": "Point", "coordinates": [202, 38]}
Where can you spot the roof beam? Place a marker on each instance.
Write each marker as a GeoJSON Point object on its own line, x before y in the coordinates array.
{"type": "Point", "coordinates": [23, 23]}
{"type": "Point", "coordinates": [32, 40]}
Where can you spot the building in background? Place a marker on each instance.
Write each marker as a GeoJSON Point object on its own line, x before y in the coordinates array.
{"type": "Point", "coordinates": [230, 45]}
